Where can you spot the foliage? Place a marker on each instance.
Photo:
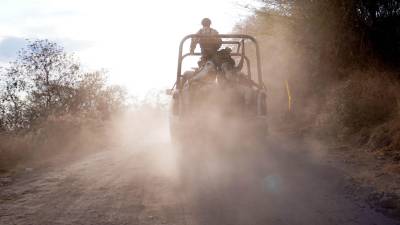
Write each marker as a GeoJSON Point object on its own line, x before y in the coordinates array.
{"type": "Point", "coordinates": [45, 81]}
{"type": "Point", "coordinates": [357, 106]}
{"type": "Point", "coordinates": [336, 54]}
{"type": "Point", "coordinates": [48, 105]}
{"type": "Point", "coordinates": [350, 31]}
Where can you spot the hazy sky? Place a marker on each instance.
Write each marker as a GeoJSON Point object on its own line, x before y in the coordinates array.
{"type": "Point", "coordinates": [136, 41]}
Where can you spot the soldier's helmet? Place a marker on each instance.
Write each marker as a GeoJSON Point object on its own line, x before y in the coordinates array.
{"type": "Point", "coordinates": [206, 22]}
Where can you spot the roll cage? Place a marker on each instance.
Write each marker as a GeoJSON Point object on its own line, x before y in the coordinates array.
{"type": "Point", "coordinates": [237, 40]}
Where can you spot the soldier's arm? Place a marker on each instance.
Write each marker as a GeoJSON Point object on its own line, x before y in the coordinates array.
{"type": "Point", "coordinates": [219, 40]}
{"type": "Point", "coordinates": [194, 42]}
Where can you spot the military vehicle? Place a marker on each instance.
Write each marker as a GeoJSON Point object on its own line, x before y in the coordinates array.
{"type": "Point", "coordinates": [224, 98]}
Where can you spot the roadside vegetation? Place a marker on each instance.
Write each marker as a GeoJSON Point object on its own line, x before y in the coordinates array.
{"type": "Point", "coordinates": [49, 105]}
{"type": "Point", "coordinates": [340, 59]}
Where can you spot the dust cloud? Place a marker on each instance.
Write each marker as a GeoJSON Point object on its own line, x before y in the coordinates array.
{"type": "Point", "coordinates": [224, 174]}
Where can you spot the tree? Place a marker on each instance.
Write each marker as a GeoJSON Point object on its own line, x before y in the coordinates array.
{"type": "Point", "coordinates": [12, 105]}
{"type": "Point", "coordinates": [46, 81]}
{"type": "Point", "coordinates": [95, 98]}
{"type": "Point", "coordinates": [348, 31]}
{"type": "Point", "coordinates": [50, 75]}
{"type": "Point", "coordinates": [43, 78]}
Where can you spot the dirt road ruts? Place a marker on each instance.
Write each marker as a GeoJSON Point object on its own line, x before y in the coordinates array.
{"type": "Point", "coordinates": [282, 183]}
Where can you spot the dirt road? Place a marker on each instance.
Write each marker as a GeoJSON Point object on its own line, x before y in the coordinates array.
{"type": "Point", "coordinates": [284, 183]}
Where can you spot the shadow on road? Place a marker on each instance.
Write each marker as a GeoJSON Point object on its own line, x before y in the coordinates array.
{"type": "Point", "coordinates": [275, 182]}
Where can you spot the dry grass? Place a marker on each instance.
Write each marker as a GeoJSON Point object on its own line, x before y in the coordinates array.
{"type": "Point", "coordinates": [12, 150]}
{"type": "Point", "coordinates": [74, 135]}
{"type": "Point", "coordinates": [358, 105]}
{"type": "Point", "coordinates": [63, 134]}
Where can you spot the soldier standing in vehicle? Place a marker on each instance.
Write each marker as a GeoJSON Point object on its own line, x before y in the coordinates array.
{"type": "Point", "coordinates": [209, 42]}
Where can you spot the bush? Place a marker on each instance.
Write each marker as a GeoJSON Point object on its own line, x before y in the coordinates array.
{"type": "Point", "coordinates": [13, 149]}
{"type": "Point", "coordinates": [362, 102]}
{"type": "Point", "coordinates": [65, 134]}
{"type": "Point", "coordinates": [366, 101]}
